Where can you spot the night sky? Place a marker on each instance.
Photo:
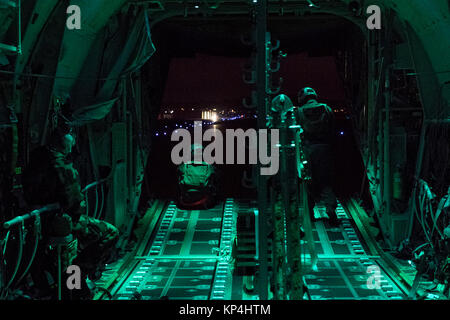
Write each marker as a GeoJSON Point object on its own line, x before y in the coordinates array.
{"type": "Point", "coordinates": [212, 81]}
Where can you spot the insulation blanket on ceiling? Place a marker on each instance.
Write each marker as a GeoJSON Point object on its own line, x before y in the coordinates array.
{"type": "Point", "coordinates": [92, 113]}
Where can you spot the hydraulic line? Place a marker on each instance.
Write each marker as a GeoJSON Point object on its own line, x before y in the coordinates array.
{"type": "Point", "coordinates": [95, 184]}
{"type": "Point", "coordinates": [86, 194]}
{"type": "Point", "coordinates": [33, 255]}
{"type": "Point", "coordinates": [87, 202]}
{"type": "Point", "coordinates": [2, 263]}
{"type": "Point", "coordinates": [435, 217]}
{"type": "Point", "coordinates": [98, 216]}
{"type": "Point", "coordinates": [421, 218]}
{"type": "Point", "coordinates": [19, 257]}
{"type": "Point", "coordinates": [21, 220]}
{"type": "Point", "coordinates": [421, 246]}
{"type": "Point", "coordinates": [96, 202]}
{"type": "Point", "coordinates": [6, 242]}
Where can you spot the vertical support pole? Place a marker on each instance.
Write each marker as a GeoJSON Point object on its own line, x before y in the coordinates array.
{"type": "Point", "coordinates": [130, 146]}
{"type": "Point", "coordinates": [19, 27]}
{"type": "Point", "coordinates": [387, 181]}
{"type": "Point", "coordinates": [387, 143]}
{"type": "Point", "coordinates": [381, 155]}
{"type": "Point", "coordinates": [371, 103]}
{"type": "Point", "coordinates": [261, 84]}
{"type": "Point", "coordinates": [58, 248]}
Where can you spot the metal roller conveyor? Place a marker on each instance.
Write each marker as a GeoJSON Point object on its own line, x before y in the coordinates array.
{"type": "Point", "coordinates": [188, 258]}
{"type": "Point", "coordinates": [345, 270]}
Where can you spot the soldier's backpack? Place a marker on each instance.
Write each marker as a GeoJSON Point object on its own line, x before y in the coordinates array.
{"type": "Point", "coordinates": [316, 120]}
{"type": "Point", "coordinates": [195, 175]}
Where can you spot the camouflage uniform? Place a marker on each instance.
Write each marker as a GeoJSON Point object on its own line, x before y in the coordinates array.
{"type": "Point", "coordinates": [50, 178]}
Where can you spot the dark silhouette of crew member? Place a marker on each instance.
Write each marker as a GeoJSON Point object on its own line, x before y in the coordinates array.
{"type": "Point", "coordinates": [51, 178]}
{"type": "Point", "coordinates": [317, 121]}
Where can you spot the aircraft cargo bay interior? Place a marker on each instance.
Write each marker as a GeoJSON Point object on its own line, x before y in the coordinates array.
{"type": "Point", "coordinates": [224, 150]}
